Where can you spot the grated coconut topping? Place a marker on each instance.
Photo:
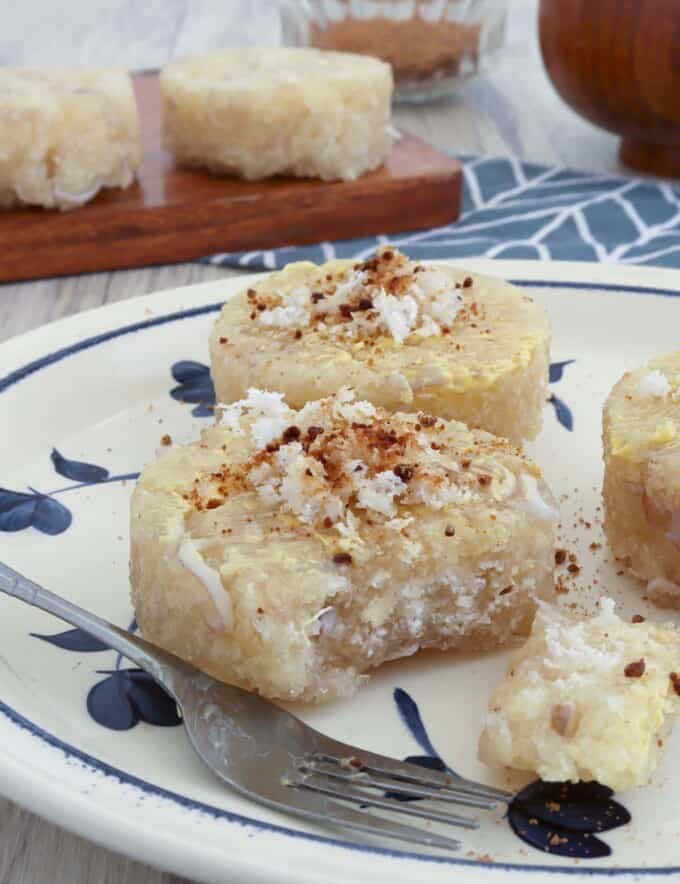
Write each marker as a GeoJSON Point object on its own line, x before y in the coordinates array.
{"type": "Point", "coordinates": [338, 460]}
{"type": "Point", "coordinates": [387, 294]}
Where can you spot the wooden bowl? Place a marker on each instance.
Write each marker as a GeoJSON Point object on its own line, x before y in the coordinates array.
{"type": "Point", "coordinates": [617, 62]}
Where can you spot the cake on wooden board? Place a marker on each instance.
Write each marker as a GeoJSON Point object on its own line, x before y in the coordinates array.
{"type": "Point", "coordinates": [65, 133]}
{"type": "Point", "coordinates": [256, 112]}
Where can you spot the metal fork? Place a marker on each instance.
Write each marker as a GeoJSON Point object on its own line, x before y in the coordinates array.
{"type": "Point", "coordinates": [272, 757]}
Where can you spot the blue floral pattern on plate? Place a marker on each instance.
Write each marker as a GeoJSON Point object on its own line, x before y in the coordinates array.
{"type": "Point", "coordinates": [562, 411]}
{"type": "Point", "coordinates": [126, 696]}
{"type": "Point", "coordinates": [20, 510]}
{"type": "Point", "coordinates": [194, 385]}
{"type": "Point", "coordinates": [559, 818]}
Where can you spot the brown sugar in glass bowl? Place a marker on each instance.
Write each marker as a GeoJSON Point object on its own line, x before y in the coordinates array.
{"type": "Point", "coordinates": [431, 47]}
{"type": "Point", "coordinates": [617, 62]}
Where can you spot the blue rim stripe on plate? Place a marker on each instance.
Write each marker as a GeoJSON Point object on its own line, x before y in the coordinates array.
{"type": "Point", "coordinates": [219, 813]}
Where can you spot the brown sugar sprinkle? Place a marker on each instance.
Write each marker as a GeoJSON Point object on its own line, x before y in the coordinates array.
{"type": "Point", "coordinates": [637, 618]}
{"type": "Point", "coordinates": [213, 504]}
{"type": "Point", "coordinates": [573, 569]}
{"type": "Point", "coordinates": [484, 480]}
{"type": "Point", "coordinates": [404, 471]}
{"type": "Point", "coordinates": [465, 464]}
{"type": "Point", "coordinates": [224, 340]}
{"type": "Point", "coordinates": [560, 586]}
{"type": "Point", "coordinates": [342, 558]}
{"type": "Point", "coordinates": [261, 306]}
{"type": "Point", "coordinates": [595, 546]}
{"type": "Point", "coordinates": [365, 304]}
{"type": "Point", "coordinates": [298, 335]}
{"type": "Point", "coordinates": [560, 556]}
{"type": "Point", "coordinates": [328, 522]}
{"type": "Point", "coordinates": [313, 432]}
{"type": "Point", "coordinates": [387, 254]}
{"type": "Point", "coordinates": [473, 308]}
{"type": "Point", "coordinates": [450, 531]}
{"type": "Point", "coordinates": [636, 669]}
{"type": "Point", "coordinates": [467, 282]}
{"type": "Point", "coordinates": [290, 434]}
{"type": "Point", "coordinates": [251, 294]}
{"type": "Point", "coordinates": [506, 590]}
{"type": "Point", "coordinates": [260, 610]}
{"type": "Point", "coordinates": [345, 310]}
{"type": "Point", "coordinates": [166, 439]}
{"type": "Point", "coordinates": [253, 315]}
{"type": "Point", "coordinates": [318, 296]}
{"type": "Point", "coordinates": [427, 420]}
{"type": "Point", "coordinates": [675, 681]}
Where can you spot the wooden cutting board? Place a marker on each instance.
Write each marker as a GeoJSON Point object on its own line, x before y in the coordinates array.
{"type": "Point", "coordinates": [174, 214]}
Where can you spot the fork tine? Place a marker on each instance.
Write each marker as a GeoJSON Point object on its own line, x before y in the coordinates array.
{"type": "Point", "coordinates": [406, 772]}
{"type": "Point", "coordinates": [369, 781]}
{"type": "Point", "coordinates": [344, 792]}
{"type": "Point", "coordinates": [372, 824]}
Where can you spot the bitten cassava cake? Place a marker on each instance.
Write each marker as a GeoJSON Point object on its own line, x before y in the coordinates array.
{"type": "Point", "coordinates": [404, 335]}
{"type": "Point", "coordinates": [257, 112]}
{"type": "Point", "coordinates": [291, 552]}
{"type": "Point", "coordinates": [586, 698]}
{"type": "Point", "coordinates": [65, 133]}
{"type": "Point", "coordinates": [642, 475]}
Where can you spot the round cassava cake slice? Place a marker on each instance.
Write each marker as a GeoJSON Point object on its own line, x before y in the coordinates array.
{"type": "Point", "coordinates": [641, 437]}
{"type": "Point", "coordinates": [404, 335]}
{"type": "Point", "coordinates": [256, 112]}
{"type": "Point", "coordinates": [65, 133]}
{"type": "Point", "coordinates": [291, 552]}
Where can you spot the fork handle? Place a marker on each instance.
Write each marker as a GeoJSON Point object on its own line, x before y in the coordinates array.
{"type": "Point", "coordinates": [163, 666]}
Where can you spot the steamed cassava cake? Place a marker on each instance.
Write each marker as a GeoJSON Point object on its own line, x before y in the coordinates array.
{"type": "Point", "coordinates": [404, 335]}
{"type": "Point", "coordinates": [587, 698]}
{"type": "Point", "coordinates": [256, 112]}
{"type": "Point", "coordinates": [291, 552]}
{"type": "Point", "coordinates": [642, 476]}
{"type": "Point", "coordinates": [65, 133]}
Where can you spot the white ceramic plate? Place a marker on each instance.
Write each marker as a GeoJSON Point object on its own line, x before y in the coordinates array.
{"type": "Point", "coordinates": [96, 388]}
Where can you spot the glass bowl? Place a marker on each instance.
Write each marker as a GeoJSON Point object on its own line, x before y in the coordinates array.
{"type": "Point", "coordinates": [432, 45]}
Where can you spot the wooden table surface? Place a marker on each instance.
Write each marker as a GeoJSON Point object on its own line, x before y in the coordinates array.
{"type": "Point", "coordinates": [511, 110]}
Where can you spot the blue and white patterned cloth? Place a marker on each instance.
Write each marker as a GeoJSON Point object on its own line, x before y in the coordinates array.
{"type": "Point", "coordinates": [521, 210]}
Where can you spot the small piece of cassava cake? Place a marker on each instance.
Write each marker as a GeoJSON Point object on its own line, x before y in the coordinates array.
{"type": "Point", "coordinates": [257, 112]}
{"type": "Point", "coordinates": [65, 133]}
{"type": "Point", "coordinates": [641, 490]}
{"type": "Point", "coordinates": [586, 698]}
{"type": "Point", "coordinates": [292, 551]}
{"type": "Point", "coordinates": [404, 335]}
